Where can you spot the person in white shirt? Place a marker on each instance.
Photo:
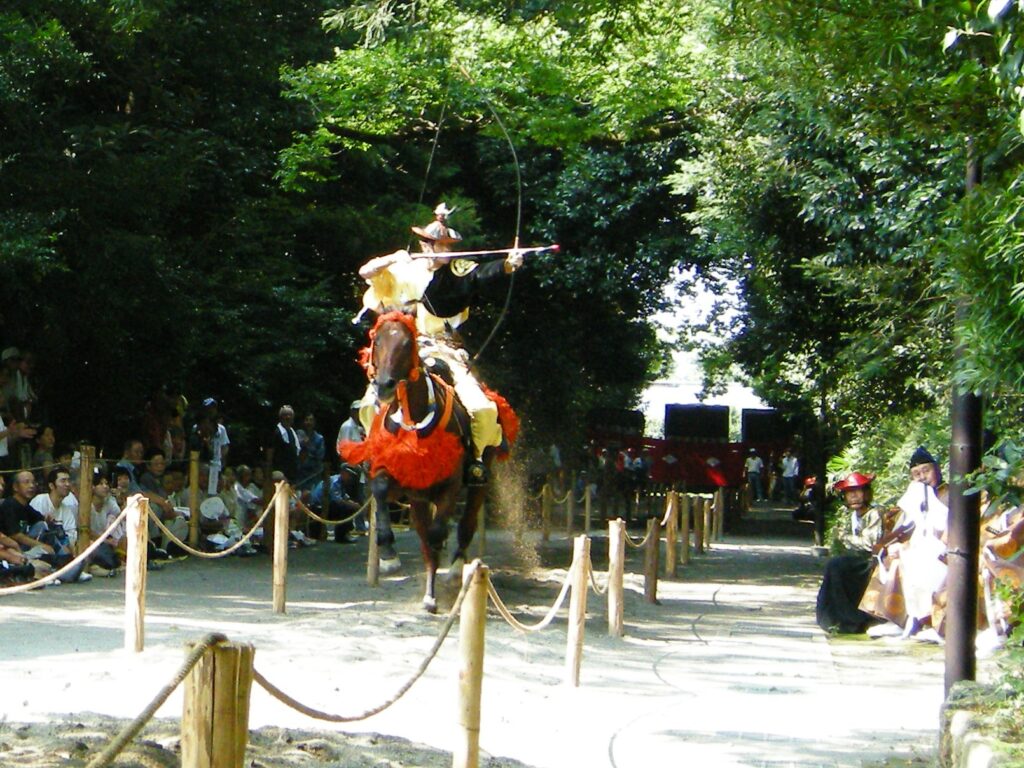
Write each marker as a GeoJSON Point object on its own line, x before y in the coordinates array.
{"type": "Point", "coordinates": [790, 473]}
{"type": "Point", "coordinates": [753, 467]}
{"type": "Point", "coordinates": [60, 508]}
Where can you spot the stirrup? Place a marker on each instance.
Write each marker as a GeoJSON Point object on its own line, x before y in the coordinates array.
{"type": "Point", "coordinates": [476, 473]}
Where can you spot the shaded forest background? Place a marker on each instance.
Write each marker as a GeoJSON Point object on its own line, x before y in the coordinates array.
{"type": "Point", "coordinates": [187, 190]}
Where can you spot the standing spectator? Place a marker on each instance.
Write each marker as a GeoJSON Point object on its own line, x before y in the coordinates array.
{"type": "Point", "coordinates": [212, 436]}
{"type": "Point", "coordinates": [351, 430]}
{"type": "Point", "coordinates": [43, 456]}
{"type": "Point", "coordinates": [790, 474]}
{"type": "Point", "coordinates": [19, 392]}
{"type": "Point", "coordinates": [156, 420]}
{"type": "Point", "coordinates": [311, 454]}
{"type": "Point", "coordinates": [752, 468]}
{"type": "Point", "coordinates": [178, 455]}
{"type": "Point", "coordinates": [10, 432]}
{"type": "Point", "coordinates": [282, 451]}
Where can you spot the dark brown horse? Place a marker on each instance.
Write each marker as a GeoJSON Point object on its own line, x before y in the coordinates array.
{"type": "Point", "coordinates": [418, 449]}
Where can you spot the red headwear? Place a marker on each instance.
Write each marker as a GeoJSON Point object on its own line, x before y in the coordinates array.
{"type": "Point", "coordinates": [853, 480]}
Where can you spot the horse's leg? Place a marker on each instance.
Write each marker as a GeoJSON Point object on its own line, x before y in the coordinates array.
{"type": "Point", "coordinates": [386, 553]}
{"type": "Point", "coordinates": [475, 497]}
{"type": "Point", "coordinates": [420, 518]}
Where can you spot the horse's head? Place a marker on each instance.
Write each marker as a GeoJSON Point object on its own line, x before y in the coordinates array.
{"type": "Point", "coordinates": [394, 356]}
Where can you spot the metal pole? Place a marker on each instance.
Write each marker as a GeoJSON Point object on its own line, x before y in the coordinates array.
{"type": "Point", "coordinates": [964, 513]}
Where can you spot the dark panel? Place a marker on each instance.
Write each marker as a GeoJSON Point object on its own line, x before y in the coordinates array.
{"type": "Point", "coordinates": [697, 422]}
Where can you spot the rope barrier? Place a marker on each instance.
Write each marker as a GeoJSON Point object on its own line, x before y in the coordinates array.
{"type": "Point", "coordinates": [224, 552]}
{"type": "Point", "coordinates": [593, 582]}
{"type": "Point", "coordinates": [316, 714]}
{"type": "Point", "coordinates": [106, 757]}
{"type": "Point", "coordinates": [638, 543]}
{"type": "Point", "coordinates": [53, 575]}
{"type": "Point", "coordinates": [310, 513]}
{"type": "Point", "coordinates": [514, 622]}
{"type": "Point", "coordinates": [562, 500]}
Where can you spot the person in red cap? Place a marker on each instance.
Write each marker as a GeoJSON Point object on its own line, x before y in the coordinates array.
{"type": "Point", "coordinates": [858, 534]}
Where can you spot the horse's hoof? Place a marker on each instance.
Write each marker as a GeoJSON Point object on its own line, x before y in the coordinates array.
{"type": "Point", "coordinates": [429, 605]}
{"type": "Point", "coordinates": [390, 566]}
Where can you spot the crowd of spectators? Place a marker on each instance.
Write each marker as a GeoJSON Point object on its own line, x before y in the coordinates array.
{"type": "Point", "coordinates": [40, 482]}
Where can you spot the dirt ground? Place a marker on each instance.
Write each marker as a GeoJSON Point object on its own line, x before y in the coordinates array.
{"type": "Point", "coordinates": [344, 647]}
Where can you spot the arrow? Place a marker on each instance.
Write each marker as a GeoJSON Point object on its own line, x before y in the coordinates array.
{"type": "Point", "coordinates": [554, 248]}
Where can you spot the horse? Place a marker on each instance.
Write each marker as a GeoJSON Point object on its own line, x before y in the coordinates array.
{"type": "Point", "coordinates": [418, 448]}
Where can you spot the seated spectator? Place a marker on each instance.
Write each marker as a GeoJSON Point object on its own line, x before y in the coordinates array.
{"type": "Point", "coordinates": [111, 553]}
{"type": "Point", "coordinates": [152, 486]}
{"type": "Point", "coordinates": [858, 536]}
{"type": "Point", "coordinates": [24, 525]}
{"type": "Point", "coordinates": [133, 460]}
{"type": "Point", "coordinates": [59, 509]}
{"type": "Point", "coordinates": [341, 502]}
{"type": "Point", "coordinates": [249, 497]}
{"type": "Point", "coordinates": [911, 571]}
{"type": "Point", "coordinates": [14, 564]}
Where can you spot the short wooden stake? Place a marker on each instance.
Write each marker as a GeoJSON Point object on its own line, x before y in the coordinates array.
{"type": "Point", "coordinates": [281, 500]}
{"type": "Point", "coordinates": [616, 571]}
{"type": "Point", "coordinates": [88, 454]}
{"type": "Point", "coordinates": [671, 529]}
{"type": "Point", "coordinates": [136, 557]}
{"type": "Point", "coordinates": [570, 510]}
{"type": "Point", "coordinates": [709, 521]}
{"type": "Point", "coordinates": [719, 514]}
{"type": "Point", "coordinates": [651, 549]}
{"type": "Point", "coordinates": [193, 499]}
{"type": "Point", "coordinates": [588, 507]}
{"type": "Point", "coordinates": [698, 525]}
{"type": "Point", "coordinates": [373, 554]}
{"type": "Point", "coordinates": [577, 610]}
{"type": "Point", "coordinates": [215, 716]}
{"type": "Point", "coordinates": [684, 528]}
{"type": "Point", "coordinates": [472, 625]}
{"type": "Point", "coordinates": [545, 512]}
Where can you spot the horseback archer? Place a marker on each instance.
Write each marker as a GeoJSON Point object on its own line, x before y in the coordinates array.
{"type": "Point", "coordinates": [439, 288]}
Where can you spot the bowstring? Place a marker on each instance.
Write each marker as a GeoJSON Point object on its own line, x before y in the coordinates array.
{"type": "Point", "coordinates": [519, 209]}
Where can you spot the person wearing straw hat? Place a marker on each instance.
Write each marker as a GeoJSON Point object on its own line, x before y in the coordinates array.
{"type": "Point", "coordinates": [858, 535]}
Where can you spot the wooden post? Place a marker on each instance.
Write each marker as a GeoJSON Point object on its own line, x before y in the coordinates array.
{"type": "Point", "coordinates": [709, 521]}
{"type": "Point", "coordinates": [651, 560]}
{"type": "Point", "coordinates": [88, 455]}
{"type": "Point", "coordinates": [719, 514]}
{"type": "Point", "coordinates": [588, 507]}
{"type": "Point", "coordinates": [570, 510]}
{"type": "Point", "coordinates": [193, 499]}
{"type": "Point", "coordinates": [684, 526]}
{"type": "Point", "coordinates": [472, 623]}
{"type": "Point", "coordinates": [215, 716]}
{"type": "Point", "coordinates": [137, 534]}
{"type": "Point", "coordinates": [671, 529]}
{"type": "Point", "coordinates": [372, 555]}
{"type": "Point", "coordinates": [545, 512]}
{"type": "Point", "coordinates": [280, 545]}
{"type": "Point", "coordinates": [616, 570]}
{"type": "Point", "coordinates": [577, 610]}
{"type": "Point", "coordinates": [698, 525]}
